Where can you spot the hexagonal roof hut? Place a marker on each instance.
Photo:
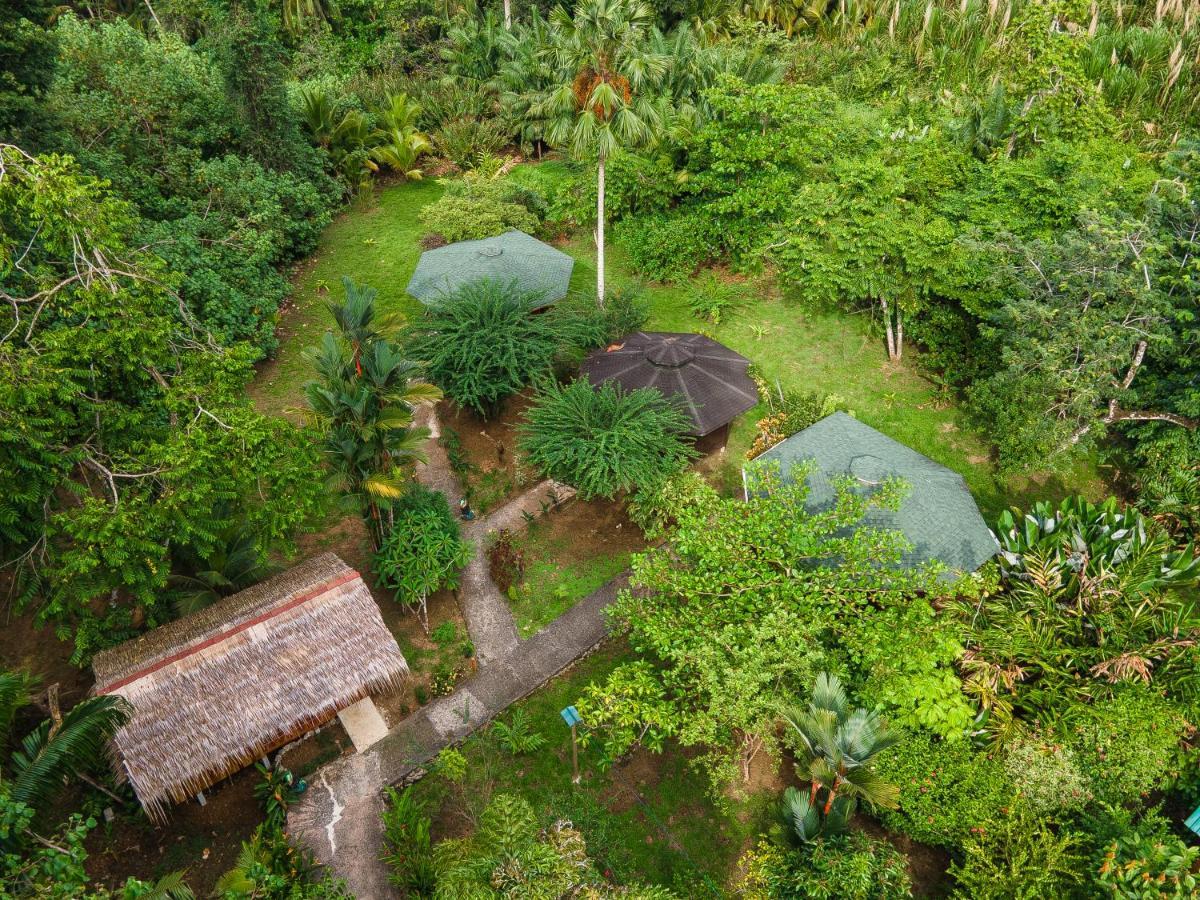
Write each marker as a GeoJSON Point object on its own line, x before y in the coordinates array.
{"type": "Point", "coordinates": [707, 378]}
{"type": "Point", "coordinates": [220, 688]}
{"type": "Point", "coordinates": [939, 516]}
{"type": "Point", "coordinates": [514, 256]}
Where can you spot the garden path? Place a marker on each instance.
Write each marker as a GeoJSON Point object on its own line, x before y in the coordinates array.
{"type": "Point", "coordinates": [338, 818]}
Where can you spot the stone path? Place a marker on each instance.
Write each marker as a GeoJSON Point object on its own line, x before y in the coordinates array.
{"type": "Point", "coordinates": [338, 819]}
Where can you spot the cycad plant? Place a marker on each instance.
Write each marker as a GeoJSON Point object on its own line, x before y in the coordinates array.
{"type": "Point", "coordinates": [835, 745]}
{"type": "Point", "coordinates": [608, 94]}
{"type": "Point", "coordinates": [363, 401]}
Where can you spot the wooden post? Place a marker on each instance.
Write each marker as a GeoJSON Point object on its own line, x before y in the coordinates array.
{"type": "Point", "coordinates": [574, 758]}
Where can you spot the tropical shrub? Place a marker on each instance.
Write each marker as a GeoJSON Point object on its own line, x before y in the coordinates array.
{"type": "Point", "coordinates": [1128, 745]}
{"type": "Point", "coordinates": [1018, 857]}
{"type": "Point", "coordinates": [948, 790]}
{"type": "Point", "coordinates": [667, 246]}
{"type": "Point", "coordinates": [852, 867]}
{"type": "Point", "coordinates": [788, 411]}
{"type": "Point", "coordinates": [409, 849]}
{"type": "Point", "coordinates": [423, 551]}
{"type": "Point", "coordinates": [467, 142]}
{"type": "Point", "coordinates": [905, 656]}
{"type": "Point", "coordinates": [476, 207]}
{"type": "Point", "coordinates": [483, 343]}
{"type": "Point", "coordinates": [1143, 864]}
{"type": "Point", "coordinates": [584, 325]}
{"type": "Point", "coordinates": [517, 735]}
{"type": "Point", "coordinates": [604, 440]}
{"type": "Point", "coordinates": [1069, 574]}
{"type": "Point", "coordinates": [835, 749]}
{"type": "Point", "coordinates": [712, 299]}
{"type": "Point", "coordinates": [1047, 776]}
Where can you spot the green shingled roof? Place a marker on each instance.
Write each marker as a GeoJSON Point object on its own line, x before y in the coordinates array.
{"type": "Point", "coordinates": [939, 517]}
{"type": "Point", "coordinates": [514, 256]}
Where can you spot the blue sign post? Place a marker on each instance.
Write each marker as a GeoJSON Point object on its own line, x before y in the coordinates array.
{"type": "Point", "coordinates": [1193, 821]}
{"type": "Point", "coordinates": [572, 718]}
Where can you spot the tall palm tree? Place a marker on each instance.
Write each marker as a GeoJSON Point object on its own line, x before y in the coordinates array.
{"type": "Point", "coordinates": [837, 745]}
{"type": "Point", "coordinates": [363, 401]}
{"type": "Point", "coordinates": [606, 98]}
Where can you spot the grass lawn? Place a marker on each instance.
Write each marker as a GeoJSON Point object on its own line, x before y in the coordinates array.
{"type": "Point", "coordinates": [647, 819]}
{"type": "Point", "coordinates": [376, 242]}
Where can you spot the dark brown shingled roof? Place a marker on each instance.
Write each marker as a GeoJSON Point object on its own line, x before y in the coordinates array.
{"type": "Point", "coordinates": [708, 379]}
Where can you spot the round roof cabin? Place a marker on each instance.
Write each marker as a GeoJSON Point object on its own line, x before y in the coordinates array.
{"type": "Point", "coordinates": [939, 516]}
{"type": "Point", "coordinates": [216, 690]}
{"type": "Point", "coordinates": [510, 258]}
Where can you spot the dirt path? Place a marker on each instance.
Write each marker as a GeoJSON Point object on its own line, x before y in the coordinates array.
{"type": "Point", "coordinates": [339, 817]}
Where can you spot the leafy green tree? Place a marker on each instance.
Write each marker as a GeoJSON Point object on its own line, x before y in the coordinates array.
{"type": "Point", "coordinates": [836, 746]}
{"type": "Point", "coordinates": [606, 97]}
{"type": "Point", "coordinates": [604, 440]}
{"type": "Point", "coordinates": [363, 402]}
{"type": "Point", "coordinates": [1057, 387]}
{"type": "Point", "coordinates": [123, 426]}
{"type": "Point", "coordinates": [423, 551]}
{"type": "Point", "coordinates": [740, 609]}
{"type": "Point", "coordinates": [27, 60]}
{"type": "Point", "coordinates": [482, 343]}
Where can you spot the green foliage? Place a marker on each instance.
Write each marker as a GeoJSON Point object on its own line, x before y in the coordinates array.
{"type": "Point", "coordinates": [127, 428]}
{"type": "Point", "coordinates": [276, 792]}
{"type": "Point", "coordinates": [835, 749]}
{"type": "Point", "coordinates": [479, 206]}
{"type": "Point", "coordinates": [406, 830]}
{"type": "Point", "coordinates": [948, 790]}
{"type": "Point", "coordinates": [517, 736]}
{"type": "Point", "coordinates": [423, 551]}
{"type": "Point", "coordinates": [221, 202]}
{"type": "Point", "coordinates": [467, 143]}
{"type": "Point", "coordinates": [666, 247]}
{"type": "Point", "coordinates": [906, 654]}
{"type": "Point", "coordinates": [1072, 573]}
{"type": "Point", "coordinates": [1018, 857]}
{"type": "Point", "coordinates": [630, 709]}
{"type": "Point", "coordinates": [1139, 866]}
{"type": "Point", "coordinates": [713, 299]}
{"type": "Point", "coordinates": [739, 613]}
{"type": "Point", "coordinates": [603, 440]}
{"type": "Point", "coordinates": [482, 344]}
{"type": "Point", "coordinates": [271, 867]}
{"type": "Point", "coordinates": [363, 402]}
{"type": "Point", "coordinates": [27, 62]}
{"type": "Point", "coordinates": [1127, 746]}
{"type": "Point", "coordinates": [1048, 777]}
{"type": "Point", "coordinates": [853, 867]}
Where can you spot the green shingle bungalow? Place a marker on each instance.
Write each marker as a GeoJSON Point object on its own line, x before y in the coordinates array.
{"type": "Point", "coordinates": [939, 517]}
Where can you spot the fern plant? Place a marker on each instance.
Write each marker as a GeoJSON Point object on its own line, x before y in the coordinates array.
{"type": "Point", "coordinates": [517, 736]}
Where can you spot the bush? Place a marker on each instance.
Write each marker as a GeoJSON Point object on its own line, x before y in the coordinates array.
{"type": "Point", "coordinates": [423, 551]}
{"type": "Point", "coordinates": [604, 440]}
{"type": "Point", "coordinates": [948, 791]}
{"type": "Point", "coordinates": [483, 344]}
{"type": "Point", "coordinates": [1129, 745]}
{"type": "Point", "coordinates": [406, 830]}
{"type": "Point", "coordinates": [788, 412]}
{"type": "Point", "coordinates": [477, 207]}
{"type": "Point", "coordinates": [465, 142]}
{"type": "Point", "coordinates": [1047, 776]}
{"type": "Point", "coordinates": [667, 246]}
{"type": "Point", "coordinates": [711, 298]}
{"type": "Point", "coordinates": [1018, 857]}
{"type": "Point", "coordinates": [1148, 861]}
{"type": "Point", "coordinates": [584, 325]}
{"type": "Point", "coordinates": [852, 867]}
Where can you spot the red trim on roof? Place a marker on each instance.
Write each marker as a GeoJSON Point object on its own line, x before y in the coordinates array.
{"type": "Point", "coordinates": [299, 599]}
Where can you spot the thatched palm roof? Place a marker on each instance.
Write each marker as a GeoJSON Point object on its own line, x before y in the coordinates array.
{"type": "Point", "coordinates": [216, 690]}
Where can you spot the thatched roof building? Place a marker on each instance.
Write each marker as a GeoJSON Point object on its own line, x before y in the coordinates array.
{"type": "Point", "coordinates": [216, 690]}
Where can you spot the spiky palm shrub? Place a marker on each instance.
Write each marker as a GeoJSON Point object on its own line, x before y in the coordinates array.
{"type": "Point", "coordinates": [835, 747]}
{"type": "Point", "coordinates": [482, 343]}
{"type": "Point", "coordinates": [604, 440]}
{"type": "Point", "coordinates": [54, 751]}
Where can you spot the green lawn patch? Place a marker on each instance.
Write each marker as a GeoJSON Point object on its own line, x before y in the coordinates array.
{"type": "Point", "coordinates": [647, 819]}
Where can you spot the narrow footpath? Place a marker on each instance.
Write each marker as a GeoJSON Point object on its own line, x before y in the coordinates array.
{"type": "Point", "coordinates": [338, 819]}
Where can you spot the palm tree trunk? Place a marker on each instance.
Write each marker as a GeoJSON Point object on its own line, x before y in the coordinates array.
{"type": "Point", "coordinates": [508, 14]}
{"type": "Point", "coordinates": [600, 231]}
{"type": "Point", "coordinates": [887, 325]}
